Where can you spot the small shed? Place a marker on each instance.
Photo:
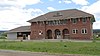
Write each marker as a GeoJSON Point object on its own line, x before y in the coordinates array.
{"type": "Point", "coordinates": [20, 33]}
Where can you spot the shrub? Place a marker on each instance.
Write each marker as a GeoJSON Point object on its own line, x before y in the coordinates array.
{"type": "Point", "coordinates": [3, 35]}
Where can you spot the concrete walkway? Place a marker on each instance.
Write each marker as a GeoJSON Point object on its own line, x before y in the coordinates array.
{"type": "Point", "coordinates": [23, 53]}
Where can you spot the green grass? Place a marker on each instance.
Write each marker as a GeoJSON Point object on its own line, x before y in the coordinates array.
{"type": "Point", "coordinates": [88, 48]}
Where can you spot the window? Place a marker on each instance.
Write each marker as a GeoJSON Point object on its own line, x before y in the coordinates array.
{"type": "Point", "coordinates": [57, 14]}
{"type": "Point", "coordinates": [50, 22]}
{"type": "Point", "coordinates": [74, 20]}
{"type": "Point", "coordinates": [63, 21]}
{"type": "Point", "coordinates": [40, 23]}
{"type": "Point", "coordinates": [57, 22]}
{"type": "Point", "coordinates": [74, 31]}
{"type": "Point", "coordinates": [84, 20]}
{"type": "Point", "coordinates": [84, 31]}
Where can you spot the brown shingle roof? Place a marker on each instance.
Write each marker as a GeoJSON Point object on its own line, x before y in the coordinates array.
{"type": "Point", "coordinates": [63, 14]}
{"type": "Point", "coordinates": [20, 29]}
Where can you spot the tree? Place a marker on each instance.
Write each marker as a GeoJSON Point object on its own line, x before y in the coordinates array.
{"type": "Point", "coordinates": [3, 35]}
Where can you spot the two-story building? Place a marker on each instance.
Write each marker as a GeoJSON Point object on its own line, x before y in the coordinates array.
{"type": "Point", "coordinates": [64, 24]}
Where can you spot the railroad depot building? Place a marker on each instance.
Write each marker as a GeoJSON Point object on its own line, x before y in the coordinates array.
{"type": "Point", "coordinates": [64, 24]}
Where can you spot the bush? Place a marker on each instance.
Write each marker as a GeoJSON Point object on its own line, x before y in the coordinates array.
{"type": "Point", "coordinates": [94, 38]}
{"type": "Point", "coordinates": [3, 35]}
{"type": "Point", "coordinates": [98, 38]}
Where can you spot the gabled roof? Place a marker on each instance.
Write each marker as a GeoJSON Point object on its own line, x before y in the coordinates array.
{"type": "Point", "coordinates": [62, 14]}
{"type": "Point", "coordinates": [20, 29]}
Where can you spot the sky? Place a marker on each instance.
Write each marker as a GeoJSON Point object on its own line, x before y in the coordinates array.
{"type": "Point", "coordinates": [15, 13]}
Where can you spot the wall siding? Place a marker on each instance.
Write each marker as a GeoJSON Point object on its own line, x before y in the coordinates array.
{"type": "Point", "coordinates": [12, 36]}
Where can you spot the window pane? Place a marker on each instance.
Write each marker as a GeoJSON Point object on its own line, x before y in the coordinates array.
{"type": "Point", "coordinates": [74, 20]}
{"type": "Point", "coordinates": [73, 31]}
{"type": "Point", "coordinates": [84, 20]}
{"type": "Point", "coordinates": [76, 31]}
{"type": "Point", "coordinates": [82, 30]}
{"type": "Point", "coordinates": [85, 31]}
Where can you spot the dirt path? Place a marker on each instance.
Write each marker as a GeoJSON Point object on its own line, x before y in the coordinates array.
{"type": "Point", "coordinates": [22, 53]}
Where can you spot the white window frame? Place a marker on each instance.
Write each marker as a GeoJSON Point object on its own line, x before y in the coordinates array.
{"type": "Point", "coordinates": [84, 29]}
{"type": "Point", "coordinates": [75, 31]}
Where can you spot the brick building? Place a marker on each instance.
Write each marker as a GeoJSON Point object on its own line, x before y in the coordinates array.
{"type": "Point", "coordinates": [64, 24]}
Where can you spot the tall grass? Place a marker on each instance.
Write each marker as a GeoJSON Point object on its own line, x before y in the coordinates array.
{"type": "Point", "coordinates": [54, 47]}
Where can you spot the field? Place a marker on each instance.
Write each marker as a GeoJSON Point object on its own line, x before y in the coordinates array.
{"type": "Point", "coordinates": [88, 48]}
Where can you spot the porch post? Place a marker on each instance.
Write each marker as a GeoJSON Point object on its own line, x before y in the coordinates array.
{"type": "Point", "coordinates": [53, 34]}
{"type": "Point", "coordinates": [79, 19]}
{"type": "Point", "coordinates": [61, 33]}
{"type": "Point", "coordinates": [45, 29]}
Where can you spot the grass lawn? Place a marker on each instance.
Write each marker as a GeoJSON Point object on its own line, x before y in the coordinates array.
{"type": "Point", "coordinates": [88, 48]}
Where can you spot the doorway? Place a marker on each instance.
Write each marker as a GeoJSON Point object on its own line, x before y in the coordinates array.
{"type": "Point", "coordinates": [49, 34]}
{"type": "Point", "coordinates": [65, 34]}
{"type": "Point", "coordinates": [57, 34]}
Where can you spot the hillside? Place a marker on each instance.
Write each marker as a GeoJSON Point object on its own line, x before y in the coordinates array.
{"type": "Point", "coordinates": [96, 30]}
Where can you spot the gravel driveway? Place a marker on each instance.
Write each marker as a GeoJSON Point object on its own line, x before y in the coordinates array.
{"type": "Point", "coordinates": [22, 53]}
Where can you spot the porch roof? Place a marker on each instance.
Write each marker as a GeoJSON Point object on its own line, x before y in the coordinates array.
{"type": "Point", "coordinates": [20, 29]}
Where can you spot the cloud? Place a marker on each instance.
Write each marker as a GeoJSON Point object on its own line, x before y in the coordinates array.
{"type": "Point", "coordinates": [78, 2]}
{"type": "Point", "coordinates": [13, 15]}
{"type": "Point", "coordinates": [67, 1]}
{"type": "Point", "coordinates": [96, 25]}
{"type": "Point", "coordinates": [51, 0]}
{"type": "Point", "coordinates": [19, 3]}
{"type": "Point", "coordinates": [51, 8]}
{"type": "Point", "coordinates": [59, 1]}
{"type": "Point", "coordinates": [95, 10]}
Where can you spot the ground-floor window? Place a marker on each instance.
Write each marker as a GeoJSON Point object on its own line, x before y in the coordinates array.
{"type": "Point", "coordinates": [74, 31]}
{"type": "Point", "coordinates": [84, 31]}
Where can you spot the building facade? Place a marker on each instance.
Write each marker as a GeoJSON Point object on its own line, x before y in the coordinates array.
{"type": "Point", "coordinates": [64, 24]}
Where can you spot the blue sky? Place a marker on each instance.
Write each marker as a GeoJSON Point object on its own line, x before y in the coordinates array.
{"type": "Point", "coordinates": [15, 13]}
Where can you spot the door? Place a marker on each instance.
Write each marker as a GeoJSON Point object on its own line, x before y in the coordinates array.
{"type": "Point", "coordinates": [57, 34]}
{"type": "Point", "coordinates": [49, 34]}
{"type": "Point", "coordinates": [65, 34]}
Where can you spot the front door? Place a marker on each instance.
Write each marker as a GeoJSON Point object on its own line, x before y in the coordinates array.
{"type": "Point", "coordinates": [57, 34]}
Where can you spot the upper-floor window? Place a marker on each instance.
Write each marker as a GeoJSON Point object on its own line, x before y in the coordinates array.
{"type": "Point", "coordinates": [57, 14]}
{"type": "Point", "coordinates": [74, 31]}
{"type": "Point", "coordinates": [40, 23]}
{"type": "Point", "coordinates": [84, 31]}
{"type": "Point", "coordinates": [50, 22]}
{"type": "Point", "coordinates": [63, 21]}
{"type": "Point", "coordinates": [74, 20]}
{"type": "Point", "coordinates": [84, 20]}
{"type": "Point", "coordinates": [57, 22]}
